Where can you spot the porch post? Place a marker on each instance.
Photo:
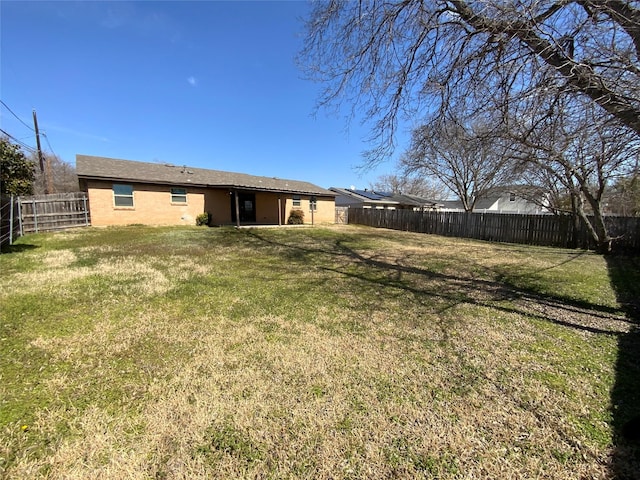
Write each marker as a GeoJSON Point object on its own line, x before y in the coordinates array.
{"type": "Point", "coordinates": [237, 209]}
{"type": "Point", "coordinates": [279, 211]}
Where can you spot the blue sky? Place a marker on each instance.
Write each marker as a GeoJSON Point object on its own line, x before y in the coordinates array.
{"type": "Point", "coordinates": [208, 84]}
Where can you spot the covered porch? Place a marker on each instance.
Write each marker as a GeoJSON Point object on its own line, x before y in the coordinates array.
{"type": "Point", "coordinates": [250, 207]}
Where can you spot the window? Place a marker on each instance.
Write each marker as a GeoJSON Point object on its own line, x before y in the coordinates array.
{"type": "Point", "coordinates": [178, 195]}
{"type": "Point", "coordinates": [512, 197]}
{"type": "Point", "coordinates": [313, 204]}
{"type": "Point", "coordinates": [296, 200]}
{"type": "Point", "coordinates": [122, 195]}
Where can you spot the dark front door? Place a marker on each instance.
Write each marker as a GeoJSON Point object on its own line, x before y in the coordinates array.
{"type": "Point", "coordinates": [246, 206]}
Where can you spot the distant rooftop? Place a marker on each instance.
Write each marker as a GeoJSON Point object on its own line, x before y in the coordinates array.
{"type": "Point", "coordinates": [370, 194]}
{"type": "Point", "coordinates": [387, 198]}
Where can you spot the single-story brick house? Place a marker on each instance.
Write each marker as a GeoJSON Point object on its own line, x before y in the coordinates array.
{"type": "Point", "coordinates": [124, 192]}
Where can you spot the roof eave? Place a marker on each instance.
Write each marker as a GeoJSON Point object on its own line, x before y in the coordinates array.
{"type": "Point", "coordinates": [203, 185]}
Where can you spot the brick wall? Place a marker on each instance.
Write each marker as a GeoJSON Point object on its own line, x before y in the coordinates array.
{"type": "Point", "coordinates": [325, 212]}
{"type": "Point", "coordinates": [151, 205]}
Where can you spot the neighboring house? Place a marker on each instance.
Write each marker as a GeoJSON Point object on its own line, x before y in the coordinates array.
{"type": "Point", "coordinates": [348, 197]}
{"type": "Point", "coordinates": [416, 203]}
{"type": "Point", "coordinates": [507, 199]}
{"type": "Point", "coordinates": [123, 192]}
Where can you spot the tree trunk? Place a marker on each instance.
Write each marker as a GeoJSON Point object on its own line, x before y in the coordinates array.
{"type": "Point", "coordinates": [603, 240]}
{"type": "Point", "coordinates": [597, 229]}
{"type": "Point", "coordinates": [575, 221]}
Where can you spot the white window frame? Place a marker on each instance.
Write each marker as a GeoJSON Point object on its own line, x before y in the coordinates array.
{"type": "Point", "coordinates": [175, 195]}
{"type": "Point", "coordinates": [313, 204]}
{"type": "Point", "coordinates": [121, 196]}
{"type": "Point", "coordinates": [297, 201]}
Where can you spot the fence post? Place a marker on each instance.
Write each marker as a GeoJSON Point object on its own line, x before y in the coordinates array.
{"type": "Point", "coordinates": [20, 216]}
{"type": "Point", "coordinates": [35, 215]}
{"type": "Point", "coordinates": [11, 220]}
{"type": "Point", "coordinates": [86, 214]}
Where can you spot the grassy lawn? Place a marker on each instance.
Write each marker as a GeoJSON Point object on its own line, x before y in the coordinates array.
{"type": "Point", "coordinates": [338, 352]}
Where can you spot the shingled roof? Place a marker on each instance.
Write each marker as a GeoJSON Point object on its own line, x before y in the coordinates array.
{"type": "Point", "coordinates": [383, 198]}
{"type": "Point", "coordinates": [102, 168]}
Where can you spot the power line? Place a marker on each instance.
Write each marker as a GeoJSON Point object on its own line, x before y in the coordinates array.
{"type": "Point", "coordinates": [19, 142]}
{"type": "Point", "coordinates": [44, 134]}
{"type": "Point", "coordinates": [19, 119]}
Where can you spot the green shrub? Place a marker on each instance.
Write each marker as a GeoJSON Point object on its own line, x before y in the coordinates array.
{"type": "Point", "coordinates": [296, 217]}
{"type": "Point", "coordinates": [203, 219]}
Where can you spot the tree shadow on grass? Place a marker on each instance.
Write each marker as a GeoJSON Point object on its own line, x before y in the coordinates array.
{"type": "Point", "coordinates": [624, 272]}
{"type": "Point", "coordinates": [497, 294]}
{"type": "Point", "coordinates": [504, 294]}
{"type": "Point", "coordinates": [17, 248]}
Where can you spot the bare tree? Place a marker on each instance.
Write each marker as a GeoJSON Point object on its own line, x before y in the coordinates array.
{"type": "Point", "coordinates": [577, 146]}
{"type": "Point", "coordinates": [414, 59]}
{"type": "Point", "coordinates": [63, 176]}
{"type": "Point", "coordinates": [624, 197]}
{"type": "Point", "coordinates": [466, 158]}
{"type": "Point", "coordinates": [409, 184]}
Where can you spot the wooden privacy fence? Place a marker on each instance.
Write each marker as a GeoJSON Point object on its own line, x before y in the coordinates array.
{"type": "Point", "coordinates": [544, 230]}
{"type": "Point", "coordinates": [43, 213]}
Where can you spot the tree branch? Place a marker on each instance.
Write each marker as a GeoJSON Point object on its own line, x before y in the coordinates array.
{"type": "Point", "coordinates": [581, 77]}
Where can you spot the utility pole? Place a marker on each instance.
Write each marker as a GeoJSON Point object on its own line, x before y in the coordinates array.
{"type": "Point", "coordinates": [48, 180]}
{"type": "Point", "coordinates": [40, 156]}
